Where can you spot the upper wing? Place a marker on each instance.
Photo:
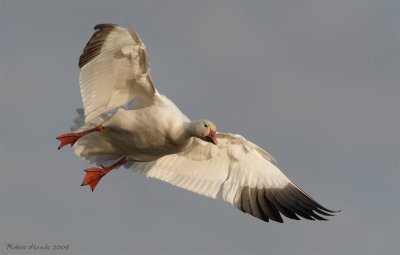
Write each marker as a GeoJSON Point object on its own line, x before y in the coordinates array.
{"type": "Point", "coordinates": [238, 171]}
{"type": "Point", "coordinates": [114, 70]}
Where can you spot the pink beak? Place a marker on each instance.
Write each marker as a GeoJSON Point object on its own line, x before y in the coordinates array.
{"type": "Point", "coordinates": [212, 137]}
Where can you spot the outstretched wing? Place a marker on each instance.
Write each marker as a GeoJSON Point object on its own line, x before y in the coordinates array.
{"type": "Point", "coordinates": [114, 70]}
{"type": "Point", "coordinates": [239, 172]}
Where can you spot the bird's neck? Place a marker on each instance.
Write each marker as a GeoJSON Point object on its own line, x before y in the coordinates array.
{"type": "Point", "coordinates": [188, 130]}
{"type": "Point", "coordinates": [182, 134]}
{"type": "Point", "coordinates": [191, 129]}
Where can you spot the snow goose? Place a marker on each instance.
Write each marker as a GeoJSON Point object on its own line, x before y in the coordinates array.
{"type": "Point", "coordinates": [126, 121]}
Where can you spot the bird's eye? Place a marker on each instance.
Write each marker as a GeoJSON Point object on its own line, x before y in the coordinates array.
{"type": "Point", "coordinates": [205, 125]}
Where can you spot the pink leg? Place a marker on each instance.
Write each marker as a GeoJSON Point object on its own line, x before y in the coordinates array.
{"type": "Point", "coordinates": [94, 175]}
{"type": "Point", "coordinates": [71, 138]}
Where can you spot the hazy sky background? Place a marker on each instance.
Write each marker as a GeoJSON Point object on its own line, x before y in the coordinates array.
{"type": "Point", "coordinates": [316, 83]}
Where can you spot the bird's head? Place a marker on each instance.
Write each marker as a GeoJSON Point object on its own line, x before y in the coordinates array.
{"type": "Point", "coordinates": [206, 131]}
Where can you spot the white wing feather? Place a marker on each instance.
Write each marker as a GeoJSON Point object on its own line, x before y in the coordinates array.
{"type": "Point", "coordinates": [208, 169]}
{"type": "Point", "coordinates": [114, 70]}
{"type": "Point", "coordinates": [240, 173]}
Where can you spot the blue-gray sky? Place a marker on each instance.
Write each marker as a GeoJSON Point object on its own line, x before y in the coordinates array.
{"type": "Point", "coordinates": [316, 83]}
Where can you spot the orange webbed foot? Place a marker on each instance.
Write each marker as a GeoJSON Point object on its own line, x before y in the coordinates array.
{"type": "Point", "coordinates": [93, 176]}
{"type": "Point", "coordinates": [68, 139]}
{"type": "Point", "coordinates": [71, 138]}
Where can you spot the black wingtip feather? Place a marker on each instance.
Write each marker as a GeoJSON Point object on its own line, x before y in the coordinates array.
{"type": "Point", "coordinates": [292, 202]}
{"type": "Point", "coordinates": [102, 25]}
{"type": "Point", "coordinates": [95, 43]}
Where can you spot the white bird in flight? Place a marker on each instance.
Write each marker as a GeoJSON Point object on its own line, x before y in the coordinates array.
{"type": "Point", "coordinates": [126, 121]}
